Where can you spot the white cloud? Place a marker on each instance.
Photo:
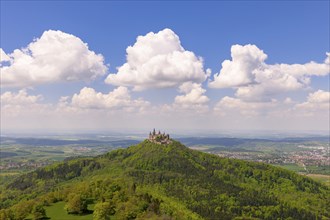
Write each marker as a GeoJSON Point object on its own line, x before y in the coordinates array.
{"type": "Point", "coordinates": [193, 94]}
{"type": "Point", "coordinates": [257, 81]}
{"type": "Point", "coordinates": [86, 101]}
{"type": "Point", "coordinates": [192, 100]}
{"type": "Point", "coordinates": [151, 62]}
{"type": "Point", "coordinates": [3, 57]}
{"type": "Point", "coordinates": [327, 59]}
{"type": "Point", "coordinates": [87, 109]}
{"type": "Point", "coordinates": [20, 98]}
{"type": "Point", "coordinates": [241, 70]}
{"type": "Point", "coordinates": [119, 98]}
{"type": "Point", "coordinates": [95, 111]}
{"type": "Point", "coordinates": [234, 106]}
{"type": "Point", "coordinates": [157, 60]}
{"type": "Point", "coordinates": [16, 104]}
{"type": "Point", "coordinates": [313, 114]}
{"type": "Point", "coordinates": [319, 96]}
{"type": "Point", "coordinates": [54, 57]}
{"type": "Point", "coordinates": [317, 103]}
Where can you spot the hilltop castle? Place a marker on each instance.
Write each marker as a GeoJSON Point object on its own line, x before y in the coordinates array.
{"type": "Point", "coordinates": [159, 138]}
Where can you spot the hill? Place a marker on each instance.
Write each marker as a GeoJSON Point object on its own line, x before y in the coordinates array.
{"type": "Point", "coordinates": [152, 181]}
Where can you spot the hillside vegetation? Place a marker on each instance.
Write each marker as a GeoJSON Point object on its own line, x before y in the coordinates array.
{"type": "Point", "coordinates": [151, 181]}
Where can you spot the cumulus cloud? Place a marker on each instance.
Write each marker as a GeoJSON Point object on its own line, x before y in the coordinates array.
{"type": "Point", "coordinates": [193, 94]}
{"type": "Point", "coordinates": [119, 98]}
{"type": "Point", "coordinates": [275, 114]}
{"type": "Point", "coordinates": [92, 110]}
{"type": "Point", "coordinates": [193, 98]}
{"type": "Point", "coordinates": [19, 98]}
{"type": "Point", "coordinates": [316, 103]}
{"type": "Point", "coordinates": [86, 109]}
{"type": "Point", "coordinates": [234, 106]}
{"type": "Point", "coordinates": [88, 99]}
{"type": "Point", "coordinates": [3, 57]}
{"type": "Point", "coordinates": [257, 81]}
{"type": "Point", "coordinates": [14, 104]}
{"type": "Point", "coordinates": [54, 57]}
{"type": "Point", "coordinates": [319, 96]}
{"type": "Point", "coordinates": [327, 59]}
{"type": "Point", "coordinates": [241, 69]}
{"type": "Point", "coordinates": [157, 60]}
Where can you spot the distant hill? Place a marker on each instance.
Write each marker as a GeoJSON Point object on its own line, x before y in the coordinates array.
{"type": "Point", "coordinates": [152, 181]}
{"type": "Point", "coordinates": [229, 142]}
{"type": "Point", "coordinates": [59, 142]}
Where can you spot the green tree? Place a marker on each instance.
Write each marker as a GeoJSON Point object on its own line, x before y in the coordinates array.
{"type": "Point", "coordinates": [38, 212]}
{"type": "Point", "coordinates": [103, 211]}
{"type": "Point", "coordinates": [6, 214]}
{"type": "Point", "coordinates": [76, 204]}
{"type": "Point", "coordinates": [22, 209]}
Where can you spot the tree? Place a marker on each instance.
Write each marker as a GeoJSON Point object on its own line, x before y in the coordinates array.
{"type": "Point", "coordinates": [76, 204]}
{"type": "Point", "coordinates": [22, 209]}
{"type": "Point", "coordinates": [38, 212]}
{"type": "Point", "coordinates": [103, 211]}
{"type": "Point", "coordinates": [6, 214]}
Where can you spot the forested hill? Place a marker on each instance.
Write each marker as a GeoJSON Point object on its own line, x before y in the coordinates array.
{"type": "Point", "coordinates": [151, 181]}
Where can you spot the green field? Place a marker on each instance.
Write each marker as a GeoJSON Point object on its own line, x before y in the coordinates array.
{"type": "Point", "coordinates": [324, 170]}
{"type": "Point", "coordinates": [292, 167]}
{"type": "Point", "coordinates": [57, 212]}
{"type": "Point", "coordinates": [9, 173]}
{"type": "Point", "coordinates": [323, 178]}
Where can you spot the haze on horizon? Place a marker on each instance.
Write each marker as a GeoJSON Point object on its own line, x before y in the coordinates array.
{"type": "Point", "coordinates": [251, 66]}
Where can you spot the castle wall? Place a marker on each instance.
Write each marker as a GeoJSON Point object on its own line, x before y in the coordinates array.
{"type": "Point", "coordinates": [159, 138]}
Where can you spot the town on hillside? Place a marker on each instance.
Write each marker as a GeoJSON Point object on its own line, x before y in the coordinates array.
{"type": "Point", "coordinates": [159, 138]}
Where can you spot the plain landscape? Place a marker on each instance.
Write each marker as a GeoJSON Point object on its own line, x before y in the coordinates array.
{"type": "Point", "coordinates": [124, 177]}
{"type": "Point", "coordinates": [304, 155]}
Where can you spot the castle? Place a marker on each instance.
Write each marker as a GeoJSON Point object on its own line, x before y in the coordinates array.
{"type": "Point", "coordinates": [159, 138]}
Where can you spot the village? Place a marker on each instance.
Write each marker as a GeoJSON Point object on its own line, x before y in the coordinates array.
{"type": "Point", "coordinates": [307, 156]}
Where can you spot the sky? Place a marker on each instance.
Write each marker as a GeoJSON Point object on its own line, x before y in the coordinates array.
{"type": "Point", "coordinates": [87, 66]}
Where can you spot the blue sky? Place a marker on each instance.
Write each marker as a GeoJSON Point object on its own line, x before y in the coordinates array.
{"type": "Point", "coordinates": [294, 32]}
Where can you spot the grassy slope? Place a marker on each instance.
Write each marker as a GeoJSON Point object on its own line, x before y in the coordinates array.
{"type": "Point", "coordinates": [56, 212]}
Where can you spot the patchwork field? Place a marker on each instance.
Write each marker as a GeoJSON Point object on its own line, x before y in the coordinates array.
{"type": "Point", "coordinates": [302, 155]}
